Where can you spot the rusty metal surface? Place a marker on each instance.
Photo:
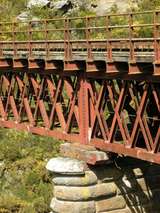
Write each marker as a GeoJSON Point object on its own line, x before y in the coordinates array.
{"type": "Point", "coordinates": [112, 38]}
{"type": "Point", "coordinates": [121, 116]}
{"type": "Point", "coordinates": [90, 87]}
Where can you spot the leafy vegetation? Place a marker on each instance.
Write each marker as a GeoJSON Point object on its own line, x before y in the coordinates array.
{"type": "Point", "coordinates": [25, 185]}
{"type": "Point", "coordinates": [145, 5]}
{"type": "Point", "coordinates": [10, 9]}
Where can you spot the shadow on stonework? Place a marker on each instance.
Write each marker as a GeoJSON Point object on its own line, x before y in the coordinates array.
{"type": "Point", "coordinates": [137, 183]}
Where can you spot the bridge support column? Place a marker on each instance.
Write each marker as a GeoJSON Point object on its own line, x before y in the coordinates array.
{"type": "Point", "coordinates": [125, 186]}
{"type": "Point", "coordinates": [83, 109]}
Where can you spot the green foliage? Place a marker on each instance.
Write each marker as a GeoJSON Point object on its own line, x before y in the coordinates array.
{"type": "Point", "coordinates": [145, 5]}
{"type": "Point", "coordinates": [9, 9]}
{"type": "Point", "coordinates": [24, 182]}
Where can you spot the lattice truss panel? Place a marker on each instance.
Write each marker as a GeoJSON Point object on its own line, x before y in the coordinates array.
{"type": "Point", "coordinates": [40, 103]}
{"type": "Point", "coordinates": [125, 114]}
{"type": "Point", "coordinates": [122, 116]}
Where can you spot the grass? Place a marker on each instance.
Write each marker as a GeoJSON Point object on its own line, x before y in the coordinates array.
{"type": "Point", "coordinates": [25, 185]}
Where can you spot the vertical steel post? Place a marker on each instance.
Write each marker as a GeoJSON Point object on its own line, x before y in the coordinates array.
{"type": "Point", "coordinates": [133, 68]}
{"type": "Point", "coordinates": [30, 39]}
{"type": "Point", "coordinates": [46, 38]}
{"type": "Point", "coordinates": [14, 38]}
{"type": "Point", "coordinates": [110, 65]}
{"type": "Point", "coordinates": [109, 43]}
{"type": "Point", "coordinates": [132, 55]}
{"type": "Point", "coordinates": [67, 44]}
{"type": "Point", "coordinates": [88, 40]}
{"type": "Point", "coordinates": [1, 44]}
{"type": "Point", "coordinates": [83, 108]}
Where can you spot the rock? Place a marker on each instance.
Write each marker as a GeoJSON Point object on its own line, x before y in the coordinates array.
{"type": "Point", "coordinates": [37, 3]}
{"type": "Point", "coordinates": [72, 207]}
{"type": "Point", "coordinates": [72, 6]}
{"type": "Point", "coordinates": [2, 168]}
{"type": "Point", "coordinates": [66, 166]}
{"type": "Point", "coordinates": [110, 204]}
{"type": "Point", "coordinates": [88, 179]}
{"type": "Point", "coordinates": [60, 4]}
{"type": "Point", "coordinates": [138, 173]}
{"type": "Point", "coordinates": [24, 16]}
{"type": "Point", "coordinates": [84, 193]}
{"type": "Point", "coordinates": [104, 6]}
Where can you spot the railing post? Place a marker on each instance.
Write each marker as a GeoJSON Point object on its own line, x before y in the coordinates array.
{"type": "Point", "coordinates": [132, 56]}
{"type": "Point", "coordinates": [14, 38]}
{"type": "Point", "coordinates": [109, 44]}
{"type": "Point", "coordinates": [67, 44]}
{"type": "Point", "coordinates": [1, 45]}
{"type": "Point", "coordinates": [30, 39]}
{"type": "Point", "coordinates": [65, 39]}
{"type": "Point", "coordinates": [110, 65]}
{"type": "Point", "coordinates": [156, 44]}
{"type": "Point", "coordinates": [46, 38]}
{"type": "Point", "coordinates": [133, 68]}
{"type": "Point", "coordinates": [88, 40]}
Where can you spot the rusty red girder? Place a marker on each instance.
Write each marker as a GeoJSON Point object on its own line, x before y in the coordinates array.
{"type": "Point", "coordinates": [121, 116]}
{"type": "Point", "coordinates": [99, 92]}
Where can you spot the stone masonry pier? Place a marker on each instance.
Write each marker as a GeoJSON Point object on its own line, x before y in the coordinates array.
{"type": "Point", "coordinates": [125, 186]}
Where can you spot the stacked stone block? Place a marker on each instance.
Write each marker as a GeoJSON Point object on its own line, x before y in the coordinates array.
{"type": "Point", "coordinates": [127, 188]}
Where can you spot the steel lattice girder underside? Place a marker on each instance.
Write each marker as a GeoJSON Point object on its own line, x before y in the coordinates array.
{"type": "Point", "coordinates": [112, 113]}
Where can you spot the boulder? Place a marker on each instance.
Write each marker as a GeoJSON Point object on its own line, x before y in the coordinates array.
{"type": "Point", "coordinates": [37, 3]}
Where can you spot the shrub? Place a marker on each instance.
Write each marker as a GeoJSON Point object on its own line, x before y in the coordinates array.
{"type": "Point", "coordinates": [25, 185]}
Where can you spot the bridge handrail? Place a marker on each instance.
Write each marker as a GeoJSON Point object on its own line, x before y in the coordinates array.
{"type": "Point", "coordinates": [131, 28]}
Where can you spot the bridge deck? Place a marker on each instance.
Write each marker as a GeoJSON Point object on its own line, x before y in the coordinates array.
{"type": "Point", "coordinates": [56, 51]}
{"type": "Point", "coordinates": [120, 59]}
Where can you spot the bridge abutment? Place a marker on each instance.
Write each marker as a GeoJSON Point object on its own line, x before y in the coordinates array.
{"type": "Point", "coordinates": [124, 186]}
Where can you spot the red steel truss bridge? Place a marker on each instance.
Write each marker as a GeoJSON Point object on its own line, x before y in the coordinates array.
{"type": "Point", "coordinates": [90, 80]}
